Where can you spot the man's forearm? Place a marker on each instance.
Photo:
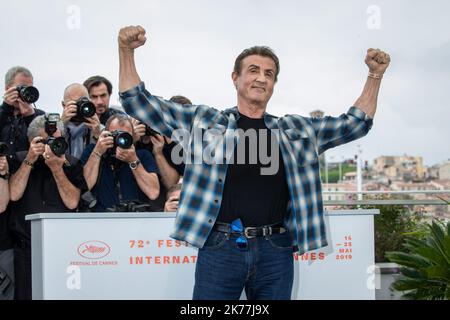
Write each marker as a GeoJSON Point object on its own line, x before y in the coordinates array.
{"type": "Point", "coordinates": [90, 170]}
{"type": "Point", "coordinates": [70, 194]}
{"type": "Point", "coordinates": [147, 182]}
{"type": "Point", "coordinates": [368, 100]}
{"type": "Point", "coordinates": [18, 182]}
{"type": "Point", "coordinates": [169, 175]}
{"type": "Point", "coordinates": [128, 76]}
{"type": "Point", "coordinates": [4, 195]}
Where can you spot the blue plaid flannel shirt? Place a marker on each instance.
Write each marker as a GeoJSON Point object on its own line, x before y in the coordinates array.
{"type": "Point", "coordinates": [301, 140]}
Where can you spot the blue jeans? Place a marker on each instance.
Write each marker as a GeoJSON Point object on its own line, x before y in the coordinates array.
{"type": "Point", "coordinates": [265, 269]}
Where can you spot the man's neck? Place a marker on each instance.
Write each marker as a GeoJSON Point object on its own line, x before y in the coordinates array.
{"type": "Point", "coordinates": [251, 109]}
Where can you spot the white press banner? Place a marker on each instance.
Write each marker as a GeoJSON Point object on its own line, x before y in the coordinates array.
{"type": "Point", "coordinates": [130, 256]}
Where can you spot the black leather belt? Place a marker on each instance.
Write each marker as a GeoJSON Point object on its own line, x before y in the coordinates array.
{"type": "Point", "coordinates": [252, 232]}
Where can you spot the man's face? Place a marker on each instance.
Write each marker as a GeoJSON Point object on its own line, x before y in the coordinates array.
{"type": "Point", "coordinates": [256, 82]}
{"type": "Point", "coordinates": [20, 80]}
{"type": "Point", "coordinates": [100, 98]}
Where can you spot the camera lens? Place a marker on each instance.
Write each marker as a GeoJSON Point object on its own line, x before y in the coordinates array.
{"type": "Point", "coordinates": [124, 140]}
{"type": "Point", "coordinates": [57, 145]}
{"type": "Point", "coordinates": [85, 109]}
{"type": "Point", "coordinates": [28, 94]}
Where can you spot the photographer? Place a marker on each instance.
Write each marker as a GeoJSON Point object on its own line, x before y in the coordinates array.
{"type": "Point", "coordinates": [16, 114]}
{"type": "Point", "coordinates": [162, 147]}
{"type": "Point", "coordinates": [82, 125]}
{"type": "Point", "coordinates": [173, 198]}
{"type": "Point", "coordinates": [7, 255]}
{"type": "Point", "coordinates": [44, 179]}
{"type": "Point", "coordinates": [100, 90]}
{"type": "Point", "coordinates": [115, 171]}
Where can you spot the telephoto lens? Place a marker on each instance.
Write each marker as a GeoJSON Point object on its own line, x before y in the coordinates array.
{"type": "Point", "coordinates": [85, 109]}
{"type": "Point", "coordinates": [4, 148]}
{"type": "Point", "coordinates": [28, 94]}
{"type": "Point", "coordinates": [57, 145]}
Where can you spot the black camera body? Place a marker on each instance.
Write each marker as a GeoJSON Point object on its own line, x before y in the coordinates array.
{"type": "Point", "coordinates": [59, 145]}
{"type": "Point", "coordinates": [28, 94]}
{"type": "Point", "coordinates": [4, 149]}
{"type": "Point", "coordinates": [85, 109]}
{"type": "Point", "coordinates": [150, 132]}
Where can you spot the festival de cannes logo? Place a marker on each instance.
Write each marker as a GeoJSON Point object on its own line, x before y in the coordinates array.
{"type": "Point", "coordinates": [94, 249]}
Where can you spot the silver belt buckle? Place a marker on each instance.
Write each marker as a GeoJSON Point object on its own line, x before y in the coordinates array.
{"type": "Point", "coordinates": [246, 233]}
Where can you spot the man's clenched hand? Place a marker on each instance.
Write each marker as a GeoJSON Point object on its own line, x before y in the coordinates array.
{"type": "Point", "coordinates": [377, 61]}
{"type": "Point", "coordinates": [131, 37]}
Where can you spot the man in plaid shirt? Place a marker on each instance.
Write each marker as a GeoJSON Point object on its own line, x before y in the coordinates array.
{"type": "Point", "coordinates": [245, 218]}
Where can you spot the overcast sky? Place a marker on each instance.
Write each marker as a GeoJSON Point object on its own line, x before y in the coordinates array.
{"type": "Point", "coordinates": [192, 46]}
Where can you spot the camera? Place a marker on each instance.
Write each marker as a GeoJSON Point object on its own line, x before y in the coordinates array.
{"type": "Point", "coordinates": [59, 145]}
{"type": "Point", "coordinates": [85, 109]}
{"type": "Point", "coordinates": [28, 94]}
{"type": "Point", "coordinates": [122, 139]}
{"type": "Point", "coordinates": [150, 132]}
{"type": "Point", "coordinates": [4, 148]}
{"type": "Point", "coordinates": [132, 206]}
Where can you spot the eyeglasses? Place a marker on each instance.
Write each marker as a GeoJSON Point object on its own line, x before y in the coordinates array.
{"type": "Point", "coordinates": [238, 227]}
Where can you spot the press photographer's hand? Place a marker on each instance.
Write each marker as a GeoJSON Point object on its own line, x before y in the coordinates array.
{"type": "Point", "coordinates": [158, 144]}
{"type": "Point", "coordinates": [138, 129]}
{"type": "Point", "coordinates": [105, 142]}
{"type": "Point", "coordinates": [94, 124]}
{"type": "Point", "coordinates": [70, 111]}
{"type": "Point", "coordinates": [126, 155]}
{"type": "Point", "coordinates": [51, 160]}
{"type": "Point", "coordinates": [11, 96]}
{"type": "Point", "coordinates": [4, 168]}
{"type": "Point", "coordinates": [37, 148]}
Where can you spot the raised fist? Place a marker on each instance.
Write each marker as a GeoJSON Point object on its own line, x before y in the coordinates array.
{"type": "Point", "coordinates": [132, 37]}
{"type": "Point", "coordinates": [377, 61]}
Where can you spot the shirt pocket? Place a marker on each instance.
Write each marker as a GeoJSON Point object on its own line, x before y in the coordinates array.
{"type": "Point", "coordinates": [303, 147]}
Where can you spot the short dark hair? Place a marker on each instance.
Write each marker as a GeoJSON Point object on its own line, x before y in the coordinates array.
{"type": "Point", "coordinates": [181, 100]}
{"type": "Point", "coordinates": [95, 81]}
{"type": "Point", "coordinates": [263, 51]}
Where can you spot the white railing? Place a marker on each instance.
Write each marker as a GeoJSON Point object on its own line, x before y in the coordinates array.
{"type": "Point", "coordinates": [351, 202]}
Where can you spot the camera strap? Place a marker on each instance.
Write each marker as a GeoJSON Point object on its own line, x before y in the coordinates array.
{"type": "Point", "coordinates": [116, 166]}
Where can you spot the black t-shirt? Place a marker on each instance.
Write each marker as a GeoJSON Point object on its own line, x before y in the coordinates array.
{"type": "Point", "coordinates": [5, 236]}
{"type": "Point", "coordinates": [13, 129]}
{"type": "Point", "coordinates": [13, 132]}
{"type": "Point", "coordinates": [167, 151]}
{"type": "Point", "coordinates": [255, 198]}
{"type": "Point", "coordinates": [41, 193]}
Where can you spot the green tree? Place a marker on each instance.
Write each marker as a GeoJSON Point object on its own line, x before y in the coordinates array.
{"type": "Point", "coordinates": [391, 226]}
{"type": "Point", "coordinates": [425, 264]}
